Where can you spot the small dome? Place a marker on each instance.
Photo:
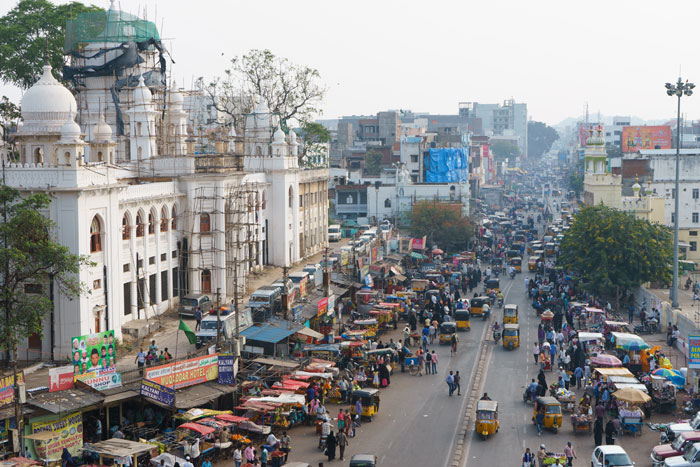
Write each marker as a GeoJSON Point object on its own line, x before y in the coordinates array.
{"type": "Point", "coordinates": [262, 106]}
{"type": "Point", "coordinates": [279, 136]}
{"type": "Point", "coordinates": [46, 105]}
{"type": "Point", "coordinates": [142, 95]}
{"type": "Point", "coordinates": [292, 137]}
{"type": "Point", "coordinates": [176, 99]}
{"type": "Point", "coordinates": [70, 131]}
{"type": "Point", "coordinates": [102, 131]}
{"type": "Point", "coordinates": [595, 139]}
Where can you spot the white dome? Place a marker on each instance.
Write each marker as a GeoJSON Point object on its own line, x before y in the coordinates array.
{"type": "Point", "coordinates": [279, 136]}
{"type": "Point", "coordinates": [262, 106]}
{"type": "Point", "coordinates": [70, 131]}
{"type": "Point", "coordinates": [142, 95]}
{"type": "Point", "coordinates": [176, 99]}
{"type": "Point", "coordinates": [102, 131]}
{"type": "Point", "coordinates": [46, 105]}
{"type": "Point", "coordinates": [292, 137]}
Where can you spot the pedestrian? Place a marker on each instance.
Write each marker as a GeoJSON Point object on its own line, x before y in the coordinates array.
{"type": "Point", "coordinates": [610, 432]}
{"type": "Point", "coordinates": [527, 458]}
{"type": "Point", "coordinates": [453, 343]}
{"type": "Point", "coordinates": [188, 462]}
{"type": "Point", "coordinates": [141, 360]}
{"type": "Point", "coordinates": [342, 440]}
{"type": "Point", "coordinates": [358, 410]}
{"type": "Point", "coordinates": [539, 420]}
{"type": "Point", "coordinates": [598, 431]}
{"type": "Point", "coordinates": [434, 361]}
{"type": "Point", "coordinates": [450, 380]}
{"type": "Point", "coordinates": [263, 456]}
{"type": "Point", "coordinates": [631, 313]}
{"type": "Point", "coordinates": [330, 446]}
{"type": "Point", "coordinates": [197, 318]}
{"type": "Point", "coordinates": [541, 455]}
{"type": "Point", "coordinates": [536, 352]}
{"type": "Point", "coordinates": [421, 359]}
{"type": "Point", "coordinates": [570, 454]}
{"type": "Point", "coordinates": [285, 445]}
{"type": "Point", "coordinates": [578, 374]}
{"type": "Point", "coordinates": [237, 456]}
{"type": "Point", "coordinates": [457, 379]}
{"type": "Point", "coordinates": [431, 333]}
{"type": "Point", "coordinates": [428, 361]}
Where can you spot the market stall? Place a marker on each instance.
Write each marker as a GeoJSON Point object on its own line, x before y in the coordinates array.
{"type": "Point", "coordinates": [121, 451]}
{"type": "Point", "coordinates": [630, 414]}
{"type": "Point", "coordinates": [663, 392]}
{"type": "Point", "coordinates": [592, 342]}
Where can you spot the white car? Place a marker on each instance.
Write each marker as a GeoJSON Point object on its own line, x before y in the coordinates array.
{"type": "Point", "coordinates": [615, 454]}
{"type": "Point", "coordinates": [691, 458]}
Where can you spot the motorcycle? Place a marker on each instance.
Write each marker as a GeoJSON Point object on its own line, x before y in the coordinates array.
{"type": "Point", "coordinates": [496, 336]}
{"type": "Point", "coordinates": [512, 275]}
{"type": "Point", "coordinates": [500, 303]}
{"type": "Point", "coordinates": [649, 327]}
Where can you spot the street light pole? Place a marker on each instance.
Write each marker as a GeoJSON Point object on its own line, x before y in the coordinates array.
{"type": "Point", "coordinates": [678, 89]}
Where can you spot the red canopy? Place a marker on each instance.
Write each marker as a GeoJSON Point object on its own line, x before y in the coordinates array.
{"type": "Point", "coordinates": [231, 418]}
{"type": "Point", "coordinates": [204, 430]}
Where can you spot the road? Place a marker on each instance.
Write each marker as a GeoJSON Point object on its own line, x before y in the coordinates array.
{"type": "Point", "coordinates": [417, 422]}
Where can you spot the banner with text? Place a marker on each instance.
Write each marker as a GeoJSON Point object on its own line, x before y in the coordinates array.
{"type": "Point", "coordinates": [7, 388]}
{"type": "Point", "coordinates": [101, 379]}
{"type": "Point", "coordinates": [694, 352]}
{"type": "Point", "coordinates": [185, 373]}
{"type": "Point", "coordinates": [228, 368]}
{"type": "Point", "coordinates": [635, 138]}
{"type": "Point", "coordinates": [157, 392]}
{"type": "Point", "coordinates": [60, 378]}
{"type": "Point", "coordinates": [69, 431]}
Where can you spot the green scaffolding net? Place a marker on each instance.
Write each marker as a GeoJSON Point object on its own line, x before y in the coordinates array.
{"type": "Point", "coordinates": [107, 26]}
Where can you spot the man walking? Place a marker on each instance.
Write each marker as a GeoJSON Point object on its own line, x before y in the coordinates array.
{"type": "Point", "coordinates": [536, 352]}
{"type": "Point", "coordinates": [141, 360]}
{"type": "Point", "coordinates": [450, 380]}
{"type": "Point", "coordinates": [570, 454]}
{"type": "Point", "coordinates": [434, 361]}
{"type": "Point", "coordinates": [197, 318]}
{"type": "Point", "coordinates": [428, 361]}
{"type": "Point", "coordinates": [457, 379]}
{"type": "Point", "coordinates": [342, 440]}
{"type": "Point", "coordinates": [541, 454]}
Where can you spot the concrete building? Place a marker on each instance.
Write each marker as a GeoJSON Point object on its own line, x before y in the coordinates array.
{"type": "Point", "coordinates": [498, 119]}
{"type": "Point", "coordinates": [613, 133]}
{"type": "Point", "coordinates": [158, 220]}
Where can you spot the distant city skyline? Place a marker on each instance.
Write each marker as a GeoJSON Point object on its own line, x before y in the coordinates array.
{"type": "Point", "coordinates": [383, 55]}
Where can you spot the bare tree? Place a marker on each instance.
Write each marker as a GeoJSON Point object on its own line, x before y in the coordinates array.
{"type": "Point", "coordinates": [291, 91]}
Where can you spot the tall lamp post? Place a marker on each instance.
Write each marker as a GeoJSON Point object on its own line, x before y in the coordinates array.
{"type": "Point", "coordinates": [678, 89]}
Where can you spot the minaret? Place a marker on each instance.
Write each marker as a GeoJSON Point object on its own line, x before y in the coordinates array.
{"type": "Point", "coordinates": [142, 127]}
{"type": "Point", "coordinates": [595, 156]}
{"type": "Point", "coordinates": [279, 145]}
{"type": "Point", "coordinates": [176, 123]}
{"type": "Point", "coordinates": [71, 145]}
{"type": "Point", "coordinates": [102, 146]}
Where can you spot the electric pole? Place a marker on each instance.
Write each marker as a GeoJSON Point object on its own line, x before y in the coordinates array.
{"type": "Point", "coordinates": [285, 296]}
{"type": "Point", "coordinates": [218, 318]}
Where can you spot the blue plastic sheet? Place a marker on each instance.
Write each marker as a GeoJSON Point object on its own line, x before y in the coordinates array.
{"type": "Point", "coordinates": [447, 165]}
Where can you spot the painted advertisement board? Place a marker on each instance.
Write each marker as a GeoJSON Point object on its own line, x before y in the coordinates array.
{"type": "Point", "coordinates": [93, 352]}
{"type": "Point", "coordinates": [69, 431]}
{"type": "Point", "coordinates": [228, 368]}
{"type": "Point", "coordinates": [185, 373]}
{"type": "Point", "coordinates": [60, 378]}
{"type": "Point", "coordinates": [694, 352]}
{"type": "Point", "coordinates": [157, 392]}
{"type": "Point", "coordinates": [7, 388]}
{"type": "Point", "coordinates": [101, 379]}
{"type": "Point", "coordinates": [635, 138]}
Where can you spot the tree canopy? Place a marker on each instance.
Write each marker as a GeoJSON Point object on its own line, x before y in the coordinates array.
{"type": "Point", "coordinates": [442, 224]}
{"type": "Point", "coordinates": [613, 251]}
{"type": "Point", "coordinates": [30, 31]}
{"type": "Point", "coordinates": [292, 91]}
{"type": "Point", "coordinates": [373, 162]}
{"type": "Point", "coordinates": [29, 259]}
{"type": "Point", "coordinates": [540, 138]}
{"type": "Point", "coordinates": [503, 149]}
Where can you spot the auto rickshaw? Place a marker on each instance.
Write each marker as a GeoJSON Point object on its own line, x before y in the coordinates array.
{"type": "Point", "coordinates": [447, 329]}
{"type": "Point", "coordinates": [486, 418]}
{"type": "Point", "coordinates": [370, 402]}
{"type": "Point", "coordinates": [431, 293]}
{"type": "Point", "coordinates": [517, 264]}
{"type": "Point", "coordinates": [532, 263]}
{"type": "Point", "coordinates": [493, 284]}
{"type": "Point", "coordinates": [477, 305]}
{"type": "Point", "coordinates": [510, 314]}
{"type": "Point", "coordinates": [462, 319]}
{"type": "Point", "coordinates": [552, 412]}
{"type": "Point", "coordinates": [511, 336]}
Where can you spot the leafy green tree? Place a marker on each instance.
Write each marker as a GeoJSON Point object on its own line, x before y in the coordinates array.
{"type": "Point", "coordinates": [442, 224]}
{"type": "Point", "coordinates": [314, 140]}
{"type": "Point", "coordinates": [575, 182]}
{"type": "Point", "coordinates": [293, 92]}
{"type": "Point", "coordinates": [28, 32]}
{"type": "Point", "coordinates": [540, 138]}
{"type": "Point", "coordinates": [30, 256]}
{"type": "Point", "coordinates": [503, 149]}
{"type": "Point", "coordinates": [9, 117]}
{"type": "Point", "coordinates": [373, 162]}
{"type": "Point", "coordinates": [612, 251]}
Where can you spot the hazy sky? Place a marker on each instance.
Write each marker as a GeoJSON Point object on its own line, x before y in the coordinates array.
{"type": "Point", "coordinates": [555, 55]}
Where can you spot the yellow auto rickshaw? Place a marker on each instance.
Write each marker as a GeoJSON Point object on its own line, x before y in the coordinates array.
{"type": "Point", "coordinates": [493, 284]}
{"type": "Point", "coordinates": [551, 409]}
{"type": "Point", "coordinates": [486, 418]}
{"type": "Point", "coordinates": [532, 263]}
{"type": "Point", "coordinates": [511, 336]}
{"type": "Point", "coordinates": [517, 264]}
{"type": "Point", "coordinates": [510, 314]}
{"type": "Point", "coordinates": [369, 398]}
{"type": "Point", "coordinates": [477, 305]}
{"type": "Point", "coordinates": [462, 319]}
{"type": "Point", "coordinates": [549, 249]}
{"type": "Point", "coordinates": [447, 330]}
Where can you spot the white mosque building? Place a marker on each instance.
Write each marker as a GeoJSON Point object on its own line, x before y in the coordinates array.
{"type": "Point", "coordinates": [158, 220]}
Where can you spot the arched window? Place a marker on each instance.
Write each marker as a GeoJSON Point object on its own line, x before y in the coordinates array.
{"type": "Point", "coordinates": [206, 281]}
{"type": "Point", "coordinates": [204, 222]}
{"type": "Point", "coordinates": [139, 224]}
{"type": "Point", "coordinates": [387, 203]}
{"type": "Point", "coordinates": [151, 223]}
{"type": "Point", "coordinates": [126, 227]}
{"type": "Point", "coordinates": [173, 223]}
{"type": "Point", "coordinates": [95, 235]}
{"type": "Point", "coordinates": [291, 196]}
{"type": "Point", "coordinates": [163, 220]}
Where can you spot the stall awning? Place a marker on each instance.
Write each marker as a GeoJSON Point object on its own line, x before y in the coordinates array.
{"type": "Point", "coordinates": [43, 436]}
{"type": "Point", "coordinates": [589, 336]}
{"type": "Point", "coordinates": [201, 394]}
{"type": "Point", "coordinates": [275, 362]}
{"type": "Point", "coordinates": [614, 372]}
{"type": "Point", "coordinates": [400, 277]}
{"type": "Point", "coordinates": [268, 333]}
{"type": "Point", "coordinates": [201, 429]}
{"type": "Point", "coordinates": [310, 333]}
{"type": "Point", "coordinates": [9, 412]}
{"type": "Point", "coordinates": [120, 396]}
{"type": "Point", "coordinates": [68, 400]}
{"type": "Point", "coordinates": [116, 447]}
{"type": "Point", "coordinates": [416, 255]}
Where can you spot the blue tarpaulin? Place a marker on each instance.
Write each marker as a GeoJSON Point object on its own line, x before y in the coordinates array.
{"type": "Point", "coordinates": [445, 165]}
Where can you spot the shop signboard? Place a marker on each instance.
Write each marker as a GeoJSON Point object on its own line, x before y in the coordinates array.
{"type": "Point", "coordinates": [94, 352]}
{"type": "Point", "coordinates": [69, 435]}
{"type": "Point", "coordinates": [228, 368]}
{"type": "Point", "coordinates": [635, 138]}
{"type": "Point", "coordinates": [101, 379]}
{"type": "Point", "coordinates": [185, 373]}
{"type": "Point", "coordinates": [60, 378]}
{"type": "Point", "coordinates": [322, 306]}
{"type": "Point", "coordinates": [158, 393]}
{"type": "Point", "coordinates": [694, 352]}
{"type": "Point", "coordinates": [7, 388]}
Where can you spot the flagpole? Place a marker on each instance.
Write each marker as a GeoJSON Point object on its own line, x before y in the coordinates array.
{"type": "Point", "coordinates": [177, 337]}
